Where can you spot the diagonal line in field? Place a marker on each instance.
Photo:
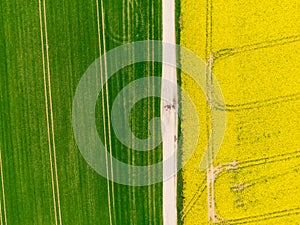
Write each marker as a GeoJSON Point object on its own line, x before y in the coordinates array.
{"type": "Point", "coordinates": [229, 52]}
{"type": "Point", "coordinates": [225, 53]}
{"type": "Point", "coordinates": [265, 216]}
{"type": "Point", "coordinates": [108, 111]}
{"type": "Point", "coordinates": [51, 111]}
{"type": "Point", "coordinates": [186, 210]}
{"type": "Point", "coordinates": [50, 128]}
{"type": "Point", "coordinates": [103, 110]}
{"type": "Point", "coordinates": [47, 111]}
{"type": "Point", "coordinates": [3, 193]}
{"type": "Point", "coordinates": [257, 104]}
{"type": "Point", "coordinates": [271, 159]}
{"type": "Point", "coordinates": [260, 217]}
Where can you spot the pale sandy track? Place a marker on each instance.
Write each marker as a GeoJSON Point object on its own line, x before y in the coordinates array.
{"type": "Point", "coordinates": [169, 116]}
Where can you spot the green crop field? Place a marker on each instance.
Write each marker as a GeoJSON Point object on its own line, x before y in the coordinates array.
{"type": "Point", "coordinates": [45, 48]}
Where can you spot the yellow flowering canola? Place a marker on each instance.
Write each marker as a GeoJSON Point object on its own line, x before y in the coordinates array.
{"type": "Point", "coordinates": [254, 47]}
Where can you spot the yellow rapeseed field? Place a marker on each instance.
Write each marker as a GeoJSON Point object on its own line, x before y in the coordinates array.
{"type": "Point", "coordinates": [253, 48]}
